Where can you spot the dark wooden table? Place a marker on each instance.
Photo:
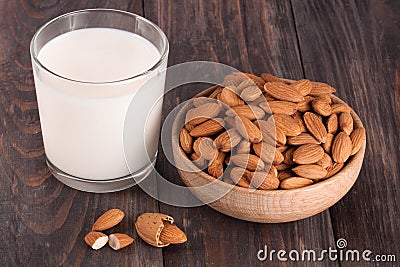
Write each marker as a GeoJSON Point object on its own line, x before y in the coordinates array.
{"type": "Point", "coordinates": [352, 44]}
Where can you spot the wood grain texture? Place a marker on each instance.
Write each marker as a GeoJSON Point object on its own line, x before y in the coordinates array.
{"type": "Point", "coordinates": [253, 36]}
{"type": "Point", "coordinates": [353, 45]}
{"type": "Point", "coordinates": [42, 221]}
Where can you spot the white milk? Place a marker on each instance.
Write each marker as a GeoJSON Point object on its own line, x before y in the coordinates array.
{"type": "Point", "coordinates": [83, 123]}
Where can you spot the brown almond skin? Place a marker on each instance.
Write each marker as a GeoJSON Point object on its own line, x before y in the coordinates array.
{"type": "Point", "coordinates": [270, 78]}
{"type": "Point", "coordinates": [207, 128]}
{"type": "Point", "coordinates": [346, 122]}
{"type": "Point", "coordinates": [295, 182]}
{"type": "Point", "coordinates": [282, 107]}
{"type": "Point", "coordinates": [186, 141]}
{"type": "Point", "coordinates": [319, 88]}
{"type": "Point", "coordinates": [287, 124]}
{"type": "Point", "coordinates": [265, 151]}
{"type": "Point", "coordinates": [302, 139]}
{"type": "Point", "coordinates": [314, 124]}
{"type": "Point", "coordinates": [322, 107]}
{"type": "Point", "coordinates": [306, 104]}
{"type": "Point", "coordinates": [247, 111]}
{"type": "Point", "coordinates": [341, 147]}
{"type": "Point", "coordinates": [310, 171]}
{"type": "Point", "coordinates": [339, 108]}
{"type": "Point", "coordinates": [283, 91]}
{"type": "Point", "coordinates": [308, 154]}
{"type": "Point", "coordinates": [264, 181]}
{"type": "Point", "coordinates": [333, 169]}
{"type": "Point", "coordinates": [325, 161]}
{"type": "Point", "coordinates": [250, 93]}
{"type": "Point", "coordinates": [282, 175]}
{"type": "Point", "coordinates": [303, 86]}
{"type": "Point", "coordinates": [216, 167]}
{"type": "Point", "coordinates": [332, 124]}
{"type": "Point", "coordinates": [227, 140]}
{"type": "Point", "coordinates": [357, 139]}
{"type": "Point", "coordinates": [248, 130]}
{"type": "Point", "coordinates": [202, 113]}
{"type": "Point", "coordinates": [248, 161]}
{"type": "Point", "coordinates": [240, 177]}
{"type": "Point", "coordinates": [327, 146]}
{"type": "Point", "coordinates": [230, 98]}
{"type": "Point", "coordinates": [108, 219]}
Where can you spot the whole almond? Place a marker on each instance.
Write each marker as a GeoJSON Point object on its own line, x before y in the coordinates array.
{"type": "Point", "coordinates": [185, 140]}
{"type": "Point", "coordinates": [281, 148]}
{"type": "Point", "coordinates": [248, 161]}
{"type": "Point", "coordinates": [298, 117]}
{"type": "Point", "coordinates": [327, 146]}
{"type": "Point", "coordinates": [283, 91]}
{"type": "Point", "coordinates": [278, 157]}
{"type": "Point", "coordinates": [248, 130]}
{"type": "Point", "coordinates": [339, 108]}
{"type": "Point", "coordinates": [243, 147]}
{"type": "Point", "coordinates": [96, 240]}
{"type": "Point", "coordinates": [295, 182]}
{"type": "Point", "coordinates": [305, 105]}
{"type": "Point", "coordinates": [322, 107]}
{"type": "Point", "coordinates": [207, 128]}
{"type": "Point", "coordinates": [341, 147]}
{"type": "Point", "coordinates": [314, 124]}
{"type": "Point", "coordinates": [227, 140]}
{"type": "Point", "coordinates": [270, 78]}
{"type": "Point", "coordinates": [240, 177]}
{"type": "Point", "coordinates": [270, 133]}
{"type": "Point", "coordinates": [325, 161]}
{"type": "Point", "coordinates": [357, 139]}
{"type": "Point", "coordinates": [244, 84]}
{"type": "Point", "coordinates": [202, 113]}
{"type": "Point", "coordinates": [282, 167]}
{"type": "Point", "coordinates": [215, 93]}
{"type": "Point", "coordinates": [172, 234]}
{"type": "Point", "coordinates": [311, 171]}
{"type": "Point", "coordinates": [287, 124]}
{"type": "Point", "coordinates": [332, 124]}
{"type": "Point", "coordinates": [283, 107]}
{"type": "Point", "coordinates": [265, 151]}
{"type": "Point", "coordinates": [346, 122]}
{"type": "Point", "coordinates": [189, 127]}
{"type": "Point", "coordinates": [319, 88]}
{"type": "Point", "coordinates": [325, 97]}
{"type": "Point", "coordinates": [216, 167]}
{"type": "Point", "coordinates": [308, 154]}
{"type": "Point", "coordinates": [109, 219]}
{"type": "Point", "coordinates": [288, 156]}
{"type": "Point", "coordinates": [257, 80]}
{"type": "Point", "coordinates": [264, 181]}
{"type": "Point", "coordinates": [301, 139]}
{"type": "Point", "coordinates": [234, 79]}
{"type": "Point", "coordinates": [333, 169]}
{"type": "Point", "coordinates": [250, 93]}
{"type": "Point", "coordinates": [230, 98]}
{"type": "Point", "coordinates": [119, 241]}
{"type": "Point", "coordinates": [303, 86]}
{"type": "Point", "coordinates": [247, 111]}
{"type": "Point", "coordinates": [282, 175]}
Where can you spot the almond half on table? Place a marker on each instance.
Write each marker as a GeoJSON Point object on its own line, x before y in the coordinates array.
{"type": "Point", "coordinates": [159, 230]}
{"type": "Point", "coordinates": [96, 240]}
{"type": "Point", "coordinates": [118, 241]}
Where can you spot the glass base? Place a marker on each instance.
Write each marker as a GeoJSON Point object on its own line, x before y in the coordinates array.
{"type": "Point", "coordinates": [101, 186]}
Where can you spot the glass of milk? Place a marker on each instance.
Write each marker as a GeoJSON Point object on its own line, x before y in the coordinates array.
{"type": "Point", "coordinates": [88, 65]}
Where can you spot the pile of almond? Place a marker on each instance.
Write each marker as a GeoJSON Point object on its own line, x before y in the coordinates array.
{"type": "Point", "coordinates": [268, 133]}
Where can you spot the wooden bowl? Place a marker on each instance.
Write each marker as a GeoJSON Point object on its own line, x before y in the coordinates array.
{"type": "Point", "coordinates": [263, 206]}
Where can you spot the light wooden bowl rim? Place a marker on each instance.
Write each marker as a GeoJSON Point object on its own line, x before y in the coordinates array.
{"type": "Point", "coordinates": [354, 162]}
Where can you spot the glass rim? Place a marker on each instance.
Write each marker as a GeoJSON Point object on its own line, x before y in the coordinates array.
{"type": "Point", "coordinates": [160, 61]}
